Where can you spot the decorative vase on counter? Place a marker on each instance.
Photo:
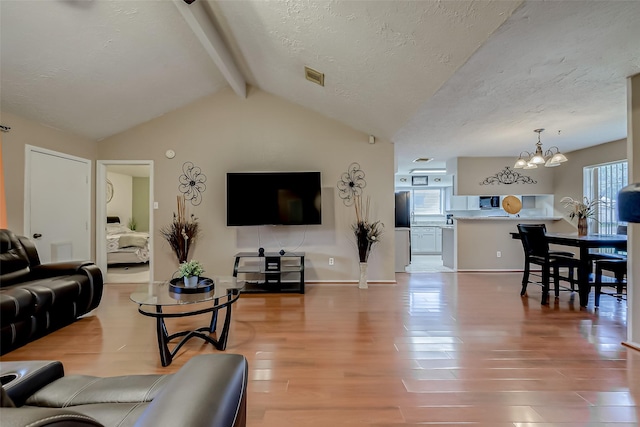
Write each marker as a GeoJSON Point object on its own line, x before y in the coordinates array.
{"type": "Point", "coordinates": [190, 282]}
{"type": "Point", "coordinates": [583, 227]}
{"type": "Point", "coordinates": [362, 283]}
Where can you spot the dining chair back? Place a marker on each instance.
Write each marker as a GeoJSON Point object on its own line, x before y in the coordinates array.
{"type": "Point", "coordinates": [536, 251]}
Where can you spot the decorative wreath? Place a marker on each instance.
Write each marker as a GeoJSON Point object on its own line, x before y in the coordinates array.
{"type": "Point", "coordinates": [192, 183]}
{"type": "Point", "coordinates": [351, 184]}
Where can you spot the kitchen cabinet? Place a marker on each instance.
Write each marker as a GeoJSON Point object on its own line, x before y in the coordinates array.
{"type": "Point", "coordinates": [457, 203]}
{"type": "Point", "coordinates": [447, 247]}
{"type": "Point", "coordinates": [473, 203]}
{"type": "Point", "coordinates": [403, 247]}
{"type": "Point", "coordinates": [462, 203]}
{"type": "Point", "coordinates": [426, 240]}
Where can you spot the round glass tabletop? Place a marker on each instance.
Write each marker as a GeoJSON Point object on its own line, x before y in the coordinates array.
{"type": "Point", "coordinates": [162, 294]}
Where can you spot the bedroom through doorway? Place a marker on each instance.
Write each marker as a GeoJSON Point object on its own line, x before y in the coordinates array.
{"type": "Point", "coordinates": [125, 241]}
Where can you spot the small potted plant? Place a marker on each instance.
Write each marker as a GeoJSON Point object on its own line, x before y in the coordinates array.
{"type": "Point", "coordinates": [190, 272]}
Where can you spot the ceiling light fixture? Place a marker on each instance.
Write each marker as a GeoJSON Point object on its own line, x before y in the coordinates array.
{"type": "Point", "coordinates": [429, 171]}
{"type": "Point", "coordinates": [550, 158]}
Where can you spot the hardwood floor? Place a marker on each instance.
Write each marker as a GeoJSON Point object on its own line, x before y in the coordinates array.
{"type": "Point", "coordinates": [435, 349]}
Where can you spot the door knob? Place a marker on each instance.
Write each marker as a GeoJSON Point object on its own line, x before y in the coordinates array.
{"type": "Point", "coordinates": [37, 235]}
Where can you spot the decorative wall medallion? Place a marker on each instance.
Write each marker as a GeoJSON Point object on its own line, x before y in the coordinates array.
{"type": "Point", "coordinates": [192, 183]}
{"type": "Point", "coordinates": [351, 184]}
{"type": "Point", "coordinates": [508, 176]}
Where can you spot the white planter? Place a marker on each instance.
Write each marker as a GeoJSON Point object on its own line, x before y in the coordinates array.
{"type": "Point", "coordinates": [191, 282]}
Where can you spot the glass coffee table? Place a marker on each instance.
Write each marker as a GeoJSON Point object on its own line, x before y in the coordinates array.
{"type": "Point", "coordinates": [171, 300]}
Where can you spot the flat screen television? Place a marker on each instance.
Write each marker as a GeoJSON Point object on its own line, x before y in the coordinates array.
{"type": "Point", "coordinates": [273, 198]}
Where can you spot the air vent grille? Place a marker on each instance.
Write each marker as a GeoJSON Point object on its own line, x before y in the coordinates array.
{"type": "Point", "coordinates": [314, 76]}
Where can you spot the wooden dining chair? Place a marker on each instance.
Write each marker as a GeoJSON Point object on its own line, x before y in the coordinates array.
{"type": "Point", "coordinates": [536, 249]}
{"type": "Point", "coordinates": [619, 269]}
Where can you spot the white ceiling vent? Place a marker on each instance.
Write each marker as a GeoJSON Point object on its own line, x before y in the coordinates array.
{"type": "Point", "coordinates": [314, 76]}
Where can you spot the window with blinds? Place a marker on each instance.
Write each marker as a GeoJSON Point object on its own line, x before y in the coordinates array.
{"type": "Point", "coordinates": [428, 201]}
{"type": "Point", "coordinates": [603, 182]}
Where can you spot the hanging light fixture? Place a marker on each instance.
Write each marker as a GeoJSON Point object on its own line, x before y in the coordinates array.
{"type": "Point", "coordinates": [549, 158]}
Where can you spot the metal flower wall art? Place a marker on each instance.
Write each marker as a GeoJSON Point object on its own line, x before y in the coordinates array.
{"type": "Point", "coordinates": [508, 176]}
{"type": "Point", "coordinates": [351, 184]}
{"type": "Point", "coordinates": [192, 183]}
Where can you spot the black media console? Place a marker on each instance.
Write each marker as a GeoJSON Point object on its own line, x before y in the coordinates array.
{"type": "Point", "coordinates": [270, 271]}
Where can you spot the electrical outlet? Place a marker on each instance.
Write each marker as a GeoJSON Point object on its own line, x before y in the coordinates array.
{"type": "Point", "coordinates": [498, 254]}
{"type": "Point", "coordinates": [331, 261]}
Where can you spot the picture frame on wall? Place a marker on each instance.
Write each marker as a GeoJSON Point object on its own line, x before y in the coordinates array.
{"type": "Point", "coordinates": [419, 180]}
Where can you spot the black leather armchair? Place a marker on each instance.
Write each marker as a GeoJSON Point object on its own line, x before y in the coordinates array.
{"type": "Point", "coordinates": [208, 391]}
{"type": "Point", "coordinates": [37, 298]}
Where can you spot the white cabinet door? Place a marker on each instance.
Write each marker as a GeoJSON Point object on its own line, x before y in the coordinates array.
{"type": "Point", "coordinates": [439, 240]}
{"type": "Point", "coordinates": [416, 241]}
{"type": "Point", "coordinates": [473, 203]}
{"type": "Point", "coordinates": [458, 203]}
{"type": "Point", "coordinates": [429, 237]}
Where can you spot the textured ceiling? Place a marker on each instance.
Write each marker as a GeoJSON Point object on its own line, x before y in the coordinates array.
{"type": "Point", "coordinates": [438, 78]}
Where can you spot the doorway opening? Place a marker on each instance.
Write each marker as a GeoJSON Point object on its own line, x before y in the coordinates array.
{"type": "Point", "coordinates": [124, 212]}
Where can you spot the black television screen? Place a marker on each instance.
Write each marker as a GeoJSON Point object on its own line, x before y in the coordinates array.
{"type": "Point", "coordinates": [273, 198]}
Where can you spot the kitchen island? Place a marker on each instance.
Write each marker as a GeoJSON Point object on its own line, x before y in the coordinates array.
{"type": "Point", "coordinates": [484, 243]}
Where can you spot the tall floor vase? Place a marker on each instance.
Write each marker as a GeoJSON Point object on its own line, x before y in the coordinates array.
{"type": "Point", "coordinates": [362, 283]}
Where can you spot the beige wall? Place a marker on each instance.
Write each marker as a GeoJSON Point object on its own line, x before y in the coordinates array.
{"type": "Point", "coordinates": [121, 204]}
{"type": "Point", "coordinates": [568, 177]}
{"type": "Point", "coordinates": [25, 132]}
{"type": "Point", "coordinates": [479, 240]}
{"type": "Point", "coordinates": [471, 172]}
{"type": "Point", "coordinates": [224, 133]}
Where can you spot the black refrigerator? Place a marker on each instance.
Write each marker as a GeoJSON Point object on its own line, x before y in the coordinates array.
{"type": "Point", "coordinates": [403, 209]}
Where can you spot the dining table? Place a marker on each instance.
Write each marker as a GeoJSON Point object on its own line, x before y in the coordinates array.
{"type": "Point", "coordinates": [585, 244]}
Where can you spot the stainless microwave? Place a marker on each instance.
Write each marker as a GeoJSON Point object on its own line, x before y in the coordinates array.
{"type": "Point", "coordinates": [489, 202]}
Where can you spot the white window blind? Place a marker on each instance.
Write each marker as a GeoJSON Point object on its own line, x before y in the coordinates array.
{"type": "Point", "coordinates": [603, 182]}
{"type": "Point", "coordinates": [427, 201]}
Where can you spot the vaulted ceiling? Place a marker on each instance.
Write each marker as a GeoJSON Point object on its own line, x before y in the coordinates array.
{"type": "Point", "coordinates": [437, 78]}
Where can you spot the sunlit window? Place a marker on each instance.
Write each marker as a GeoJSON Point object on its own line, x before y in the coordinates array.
{"type": "Point", "coordinates": [428, 201]}
{"type": "Point", "coordinates": [603, 182]}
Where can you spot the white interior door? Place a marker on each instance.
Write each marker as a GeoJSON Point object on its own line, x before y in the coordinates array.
{"type": "Point", "coordinates": [58, 205]}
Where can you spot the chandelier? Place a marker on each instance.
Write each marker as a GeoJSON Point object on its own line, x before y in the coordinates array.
{"type": "Point", "coordinates": [550, 158]}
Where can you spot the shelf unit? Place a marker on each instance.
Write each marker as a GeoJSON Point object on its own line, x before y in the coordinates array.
{"type": "Point", "coordinates": [271, 272]}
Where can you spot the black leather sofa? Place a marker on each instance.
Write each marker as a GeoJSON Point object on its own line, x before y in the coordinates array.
{"type": "Point", "coordinates": [36, 298]}
{"type": "Point", "coordinates": [208, 391]}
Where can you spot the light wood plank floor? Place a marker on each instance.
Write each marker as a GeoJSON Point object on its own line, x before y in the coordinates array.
{"type": "Point", "coordinates": [435, 349]}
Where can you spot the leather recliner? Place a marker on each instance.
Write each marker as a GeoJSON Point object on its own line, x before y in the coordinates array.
{"type": "Point", "coordinates": [208, 391]}
{"type": "Point", "coordinates": [36, 298]}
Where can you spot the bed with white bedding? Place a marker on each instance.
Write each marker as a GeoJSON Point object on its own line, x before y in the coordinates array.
{"type": "Point", "coordinates": [125, 246]}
